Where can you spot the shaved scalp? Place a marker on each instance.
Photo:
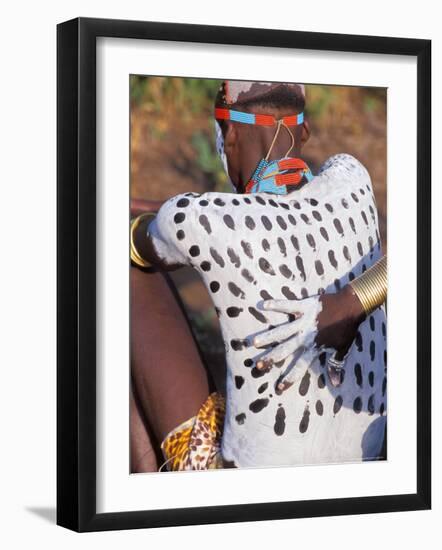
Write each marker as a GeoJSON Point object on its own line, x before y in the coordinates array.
{"type": "Point", "coordinates": [252, 95]}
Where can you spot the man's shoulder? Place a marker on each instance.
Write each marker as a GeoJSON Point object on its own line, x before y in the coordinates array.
{"type": "Point", "coordinates": [344, 166]}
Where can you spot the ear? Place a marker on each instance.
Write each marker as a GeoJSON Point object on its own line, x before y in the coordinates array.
{"type": "Point", "coordinates": [305, 132]}
{"type": "Point", "coordinates": [230, 138]}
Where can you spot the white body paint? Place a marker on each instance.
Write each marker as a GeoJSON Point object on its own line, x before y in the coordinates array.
{"type": "Point", "coordinates": [335, 436]}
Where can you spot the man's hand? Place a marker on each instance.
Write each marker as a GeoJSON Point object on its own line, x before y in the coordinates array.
{"type": "Point", "coordinates": [330, 322]}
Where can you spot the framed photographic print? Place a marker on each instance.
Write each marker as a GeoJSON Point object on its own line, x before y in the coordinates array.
{"type": "Point", "coordinates": [226, 199]}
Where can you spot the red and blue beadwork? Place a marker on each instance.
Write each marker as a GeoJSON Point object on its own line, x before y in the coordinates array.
{"type": "Point", "coordinates": [259, 120]}
{"type": "Point", "coordinates": [277, 175]}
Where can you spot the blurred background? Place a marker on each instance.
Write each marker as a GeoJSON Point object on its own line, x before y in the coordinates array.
{"type": "Point", "coordinates": [173, 151]}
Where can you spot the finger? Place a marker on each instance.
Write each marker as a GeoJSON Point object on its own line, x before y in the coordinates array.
{"type": "Point", "coordinates": [282, 351]}
{"type": "Point", "coordinates": [287, 379]}
{"type": "Point", "coordinates": [277, 334]}
{"type": "Point", "coordinates": [282, 306]}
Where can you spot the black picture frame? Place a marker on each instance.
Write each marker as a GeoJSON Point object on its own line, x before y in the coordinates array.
{"type": "Point", "coordinates": [76, 273]}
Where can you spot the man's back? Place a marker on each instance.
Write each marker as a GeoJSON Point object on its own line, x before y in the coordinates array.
{"type": "Point", "coordinates": [250, 248]}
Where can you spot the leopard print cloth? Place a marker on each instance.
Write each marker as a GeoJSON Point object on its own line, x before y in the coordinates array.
{"type": "Point", "coordinates": [195, 444]}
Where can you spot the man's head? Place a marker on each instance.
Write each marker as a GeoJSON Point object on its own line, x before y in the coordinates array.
{"type": "Point", "coordinates": [244, 144]}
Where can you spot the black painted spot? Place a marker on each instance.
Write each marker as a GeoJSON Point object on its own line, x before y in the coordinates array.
{"type": "Point", "coordinates": [352, 225]}
{"type": "Point", "coordinates": [295, 242]}
{"type": "Point", "coordinates": [234, 258]}
{"type": "Point", "coordinates": [384, 330]}
{"type": "Point", "coordinates": [265, 245]}
{"type": "Point", "coordinates": [239, 381]}
{"type": "Point", "coordinates": [214, 286]}
{"type": "Point", "coordinates": [219, 202]}
{"type": "Point", "coordinates": [321, 381]}
{"type": "Point", "coordinates": [358, 341]}
{"type": "Point", "coordinates": [247, 200]}
{"type": "Point", "coordinates": [279, 426]}
{"type": "Point", "coordinates": [296, 205]}
{"type": "Point", "coordinates": [313, 202]}
{"type": "Point", "coordinates": [292, 219]}
{"type": "Point", "coordinates": [303, 425]}
{"type": "Point", "coordinates": [338, 226]}
{"type": "Point", "coordinates": [216, 256]}
{"type": "Point", "coordinates": [180, 234]}
{"type": "Point", "coordinates": [204, 221]}
{"type": "Point", "coordinates": [351, 276]}
{"type": "Point", "coordinates": [240, 418]}
{"type": "Point", "coordinates": [257, 314]}
{"type": "Point", "coordinates": [205, 266]}
{"type": "Point", "coordinates": [364, 217]}
{"type": "Point", "coordinates": [228, 220]}
{"type": "Point", "coordinates": [236, 291]}
{"type": "Point", "coordinates": [288, 293]}
{"type": "Point", "coordinates": [194, 251]}
{"type": "Point", "coordinates": [371, 404]}
{"type": "Point", "coordinates": [247, 247]}
{"type": "Point", "coordinates": [346, 253]}
{"type": "Point", "coordinates": [358, 375]}
{"type": "Point", "coordinates": [182, 203]}
{"type": "Point", "coordinates": [204, 202]}
{"type": "Point", "coordinates": [322, 359]}
{"type": "Point", "coordinates": [248, 362]}
{"type": "Point", "coordinates": [281, 222]}
{"type": "Point", "coordinates": [238, 344]}
{"type": "Point", "coordinates": [319, 268]}
{"type": "Point", "coordinates": [265, 295]}
{"type": "Point", "coordinates": [338, 284]}
{"type": "Point", "coordinates": [179, 217]}
{"type": "Point", "coordinates": [384, 385]}
{"type": "Point", "coordinates": [344, 203]}
{"type": "Point", "coordinates": [381, 409]}
{"type": "Point", "coordinates": [273, 203]}
{"type": "Point", "coordinates": [282, 246]}
{"type": "Point", "coordinates": [329, 207]}
{"type": "Point", "coordinates": [337, 404]}
{"type": "Point", "coordinates": [233, 311]}
{"type": "Point", "coordinates": [385, 357]}
{"type": "Point", "coordinates": [259, 404]}
{"type": "Point", "coordinates": [311, 241]}
{"type": "Point", "coordinates": [305, 219]}
{"type": "Point", "coordinates": [265, 266]}
{"type": "Point", "coordinates": [305, 383]}
{"type": "Point", "coordinates": [260, 200]}
{"type": "Point", "coordinates": [317, 215]}
{"type": "Point", "coordinates": [324, 233]}
{"type": "Point", "coordinates": [372, 350]}
{"type": "Point", "coordinates": [300, 266]}
{"type": "Point", "coordinates": [357, 405]}
{"type": "Point", "coordinates": [262, 388]}
{"type": "Point", "coordinates": [250, 222]}
{"type": "Point", "coordinates": [285, 271]}
{"type": "Point", "coordinates": [319, 407]}
{"type": "Point", "coordinates": [304, 292]}
{"type": "Point", "coordinates": [235, 202]}
{"type": "Point", "coordinates": [247, 275]}
{"type": "Point", "coordinates": [372, 323]}
{"type": "Point", "coordinates": [266, 223]}
{"type": "Point", "coordinates": [332, 259]}
{"type": "Point", "coordinates": [284, 205]}
{"type": "Point", "coordinates": [360, 250]}
{"type": "Point", "coordinates": [355, 197]}
{"type": "Point", "coordinates": [257, 373]}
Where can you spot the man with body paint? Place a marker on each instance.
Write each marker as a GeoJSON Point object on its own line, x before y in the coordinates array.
{"type": "Point", "coordinates": [286, 235]}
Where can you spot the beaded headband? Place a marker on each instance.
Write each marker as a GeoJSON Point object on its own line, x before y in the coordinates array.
{"type": "Point", "coordinates": [260, 120]}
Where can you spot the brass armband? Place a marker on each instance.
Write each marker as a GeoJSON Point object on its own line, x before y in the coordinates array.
{"type": "Point", "coordinates": [135, 256]}
{"type": "Point", "coordinates": [371, 286]}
